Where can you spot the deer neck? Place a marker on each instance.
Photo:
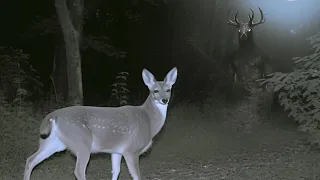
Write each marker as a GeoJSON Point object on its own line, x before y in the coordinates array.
{"type": "Point", "coordinates": [157, 114]}
{"type": "Point", "coordinates": [247, 44]}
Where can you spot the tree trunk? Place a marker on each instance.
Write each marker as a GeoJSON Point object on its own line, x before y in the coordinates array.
{"type": "Point", "coordinates": [77, 17]}
{"type": "Point", "coordinates": [72, 39]}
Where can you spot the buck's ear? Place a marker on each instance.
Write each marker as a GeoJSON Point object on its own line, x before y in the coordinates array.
{"type": "Point", "coordinates": [171, 77]}
{"type": "Point", "coordinates": [148, 78]}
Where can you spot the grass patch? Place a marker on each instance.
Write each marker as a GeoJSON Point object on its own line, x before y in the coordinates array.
{"type": "Point", "coordinates": [218, 140]}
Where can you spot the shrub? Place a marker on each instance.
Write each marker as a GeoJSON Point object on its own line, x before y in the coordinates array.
{"type": "Point", "coordinates": [119, 94]}
{"type": "Point", "coordinates": [299, 91]}
{"type": "Point", "coordinates": [18, 79]}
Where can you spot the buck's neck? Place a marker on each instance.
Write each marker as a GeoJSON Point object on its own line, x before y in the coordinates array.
{"type": "Point", "coordinates": [247, 44]}
{"type": "Point", "coordinates": [157, 113]}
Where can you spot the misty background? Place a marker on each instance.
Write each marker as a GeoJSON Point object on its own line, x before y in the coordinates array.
{"type": "Point", "coordinates": [192, 35]}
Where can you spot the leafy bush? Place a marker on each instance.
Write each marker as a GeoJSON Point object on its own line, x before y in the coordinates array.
{"type": "Point", "coordinates": [119, 94]}
{"type": "Point", "coordinates": [299, 91]}
{"type": "Point", "coordinates": [18, 80]}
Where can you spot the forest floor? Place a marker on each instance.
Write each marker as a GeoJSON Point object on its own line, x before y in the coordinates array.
{"type": "Point", "coordinates": [220, 142]}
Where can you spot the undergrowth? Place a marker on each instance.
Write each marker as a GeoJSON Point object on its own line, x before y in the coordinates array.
{"type": "Point", "coordinates": [299, 91]}
{"type": "Point", "coordinates": [19, 82]}
{"type": "Point", "coordinates": [119, 93]}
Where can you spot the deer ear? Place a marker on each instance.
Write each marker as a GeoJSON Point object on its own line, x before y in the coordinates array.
{"type": "Point", "coordinates": [171, 77]}
{"type": "Point", "coordinates": [148, 78]}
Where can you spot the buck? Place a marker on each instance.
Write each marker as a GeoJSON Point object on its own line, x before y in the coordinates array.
{"type": "Point", "coordinates": [248, 55]}
{"type": "Point", "coordinates": [121, 131]}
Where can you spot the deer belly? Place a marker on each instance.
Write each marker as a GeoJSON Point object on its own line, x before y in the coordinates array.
{"type": "Point", "coordinates": [108, 145]}
{"type": "Point", "coordinates": [146, 148]}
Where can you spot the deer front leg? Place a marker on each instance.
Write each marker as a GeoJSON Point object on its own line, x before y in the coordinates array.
{"type": "Point", "coordinates": [133, 165]}
{"type": "Point", "coordinates": [116, 165]}
{"type": "Point", "coordinates": [234, 72]}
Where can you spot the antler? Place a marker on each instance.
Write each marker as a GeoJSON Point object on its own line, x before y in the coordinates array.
{"type": "Point", "coordinates": [262, 19]}
{"type": "Point", "coordinates": [236, 22]}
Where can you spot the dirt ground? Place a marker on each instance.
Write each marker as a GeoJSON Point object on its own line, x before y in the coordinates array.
{"type": "Point", "coordinates": [216, 143]}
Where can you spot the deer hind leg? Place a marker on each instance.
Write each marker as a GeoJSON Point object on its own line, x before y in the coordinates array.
{"type": "Point", "coordinates": [132, 161]}
{"type": "Point", "coordinates": [47, 148]}
{"type": "Point", "coordinates": [83, 157]}
{"type": "Point", "coordinates": [79, 142]}
{"type": "Point", "coordinates": [116, 163]}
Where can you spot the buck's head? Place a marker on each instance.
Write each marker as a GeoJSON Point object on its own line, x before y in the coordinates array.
{"type": "Point", "coordinates": [160, 91]}
{"type": "Point", "coordinates": [245, 29]}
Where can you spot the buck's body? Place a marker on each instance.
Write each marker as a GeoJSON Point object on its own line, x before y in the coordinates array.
{"type": "Point", "coordinates": [248, 56]}
{"type": "Point", "coordinates": [122, 131]}
{"type": "Point", "coordinates": [251, 56]}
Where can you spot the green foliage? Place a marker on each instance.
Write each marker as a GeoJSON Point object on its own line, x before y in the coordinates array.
{"type": "Point", "coordinates": [299, 91]}
{"type": "Point", "coordinates": [18, 79]}
{"type": "Point", "coordinates": [18, 83]}
{"type": "Point", "coordinates": [119, 94]}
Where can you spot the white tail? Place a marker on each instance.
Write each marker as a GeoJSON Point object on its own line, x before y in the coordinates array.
{"type": "Point", "coordinates": [123, 131]}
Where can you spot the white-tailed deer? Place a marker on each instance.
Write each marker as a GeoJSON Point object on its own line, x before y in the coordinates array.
{"type": "Point", "coordinates": [248, 53]}
{"type": "Point", "coordinates": [122, 131]}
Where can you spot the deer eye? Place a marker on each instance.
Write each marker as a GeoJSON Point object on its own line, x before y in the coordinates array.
{"type": "Point", "coordinates": [168, 90]}
{"type": "Point", "coordinates": [156, 91]}
{"type": "Point", "coordinates": [249, 30]}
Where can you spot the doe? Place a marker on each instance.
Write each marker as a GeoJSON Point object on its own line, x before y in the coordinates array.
{"type": "Point", "coordinates": [122, 131]}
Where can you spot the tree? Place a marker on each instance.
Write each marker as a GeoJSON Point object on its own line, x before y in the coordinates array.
{"type": "Point", "coordinates": [72, 33]}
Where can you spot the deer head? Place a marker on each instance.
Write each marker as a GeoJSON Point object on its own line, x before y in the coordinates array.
{"type": "Point", "coordinates": [245, 29]}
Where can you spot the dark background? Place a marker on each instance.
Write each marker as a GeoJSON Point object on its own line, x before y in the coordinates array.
{"type": "Point", "coordinates": [158, 40]}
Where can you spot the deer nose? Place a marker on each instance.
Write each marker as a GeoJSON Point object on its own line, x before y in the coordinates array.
{"type": "Point", "coordinates": [165, 101]}
{"type": "Point", "coordinates": [243, 36]}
